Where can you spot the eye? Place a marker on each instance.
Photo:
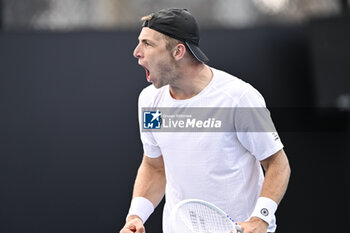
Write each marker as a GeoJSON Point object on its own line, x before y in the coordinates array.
{"type": "Point", "coordinates": [146, 43]}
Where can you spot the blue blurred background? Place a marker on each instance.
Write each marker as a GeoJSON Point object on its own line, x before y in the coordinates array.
{"type": "Point", "coordinates": [69, 141]}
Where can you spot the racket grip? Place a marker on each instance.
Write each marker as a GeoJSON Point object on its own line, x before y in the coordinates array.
{"type": "Point", "coordinates": [239, 228]}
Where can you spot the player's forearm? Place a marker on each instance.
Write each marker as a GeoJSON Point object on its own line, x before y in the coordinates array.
{"type": "Point", "coordinates": [277, 173]}
{"type": "Point", "coordinates": [150, 182]}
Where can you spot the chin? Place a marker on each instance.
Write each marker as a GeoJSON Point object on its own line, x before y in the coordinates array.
{"type": "Point", "coordinates": [159, 84]}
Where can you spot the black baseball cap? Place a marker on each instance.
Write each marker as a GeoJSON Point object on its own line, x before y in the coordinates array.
{"type": "Point", "coordinates": [181, 25]}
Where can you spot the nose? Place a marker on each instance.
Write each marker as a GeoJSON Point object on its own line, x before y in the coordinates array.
{"type": "Point", "coordinates": [137, 52]}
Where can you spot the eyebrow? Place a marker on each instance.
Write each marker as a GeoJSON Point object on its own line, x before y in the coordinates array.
{"type": "Point", "coordinates": [147, 40]}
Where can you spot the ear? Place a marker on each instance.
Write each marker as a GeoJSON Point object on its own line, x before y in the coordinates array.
{"type": "Point", "coordinates": [179, 51]}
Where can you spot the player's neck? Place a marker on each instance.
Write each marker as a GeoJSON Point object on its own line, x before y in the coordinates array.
{"type": "Point", "coordinates": [193, 79]}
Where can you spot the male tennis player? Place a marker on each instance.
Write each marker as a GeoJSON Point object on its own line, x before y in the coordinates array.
{"type": "Point", "coordinates": [223, 168]}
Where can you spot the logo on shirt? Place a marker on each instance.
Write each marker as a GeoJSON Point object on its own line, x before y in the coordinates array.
{"type": "Point", "coordinates": [152, 119]}
{"type": "Point", "coordinates": [275, 136]}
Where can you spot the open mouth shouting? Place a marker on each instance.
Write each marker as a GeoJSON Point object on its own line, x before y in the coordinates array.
{"type": "Point", "coordinates": [148, 74]}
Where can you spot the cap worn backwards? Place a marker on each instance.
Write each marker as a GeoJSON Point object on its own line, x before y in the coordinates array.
{"type": "Point", "coordinates": [181, 25]}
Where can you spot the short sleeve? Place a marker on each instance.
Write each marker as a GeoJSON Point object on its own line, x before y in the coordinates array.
{"type": "Point", "coordinates": [254, 126]}
{"type": "Point", "coordinates": [150, 146]}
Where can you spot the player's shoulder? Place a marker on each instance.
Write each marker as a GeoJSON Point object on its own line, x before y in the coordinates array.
{"type": "Point", "coordinates": [150, 95]}
{"type": "Point", "coordinates": [231, 85]}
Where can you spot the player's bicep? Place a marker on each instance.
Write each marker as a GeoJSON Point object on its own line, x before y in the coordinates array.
{"type": "Point", "coordinates": [278, 159]}
{"type": "Point", "coordinates": [154, 163]}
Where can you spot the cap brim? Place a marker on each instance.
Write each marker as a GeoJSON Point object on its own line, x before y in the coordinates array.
{"type": "Point", "coordinates": [197, 52]}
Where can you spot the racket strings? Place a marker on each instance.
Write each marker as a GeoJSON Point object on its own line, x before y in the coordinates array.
{"type": "Point", "coordinates": [198, 218]}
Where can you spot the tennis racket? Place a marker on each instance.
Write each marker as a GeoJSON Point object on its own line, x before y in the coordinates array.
{"type": "Point", "coordinates": [198, 216]}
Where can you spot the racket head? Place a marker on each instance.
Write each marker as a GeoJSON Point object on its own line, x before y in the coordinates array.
{"type": "Point", "coordinates": [194, 215]}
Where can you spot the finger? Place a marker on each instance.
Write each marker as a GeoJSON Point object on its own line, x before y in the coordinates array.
{"type": "Point", "coordinates": [127, 230]}
{"type": "Point", "coordinates": [132, 228]}
{"type": "Point", "coordinates": [140, 230]}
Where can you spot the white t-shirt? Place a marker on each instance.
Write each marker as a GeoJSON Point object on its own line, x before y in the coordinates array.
{"type": "Point", "coordinates": [219, 167]}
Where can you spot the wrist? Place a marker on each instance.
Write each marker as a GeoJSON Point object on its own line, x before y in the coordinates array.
{"type": "Point", "coordinates": [132, 217]}
{"type": "Point", "coordinates": [265, 209]}
{"type": "Point", "coordinates": [140, 207]}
